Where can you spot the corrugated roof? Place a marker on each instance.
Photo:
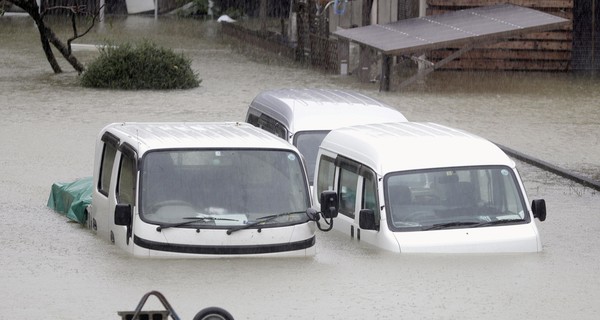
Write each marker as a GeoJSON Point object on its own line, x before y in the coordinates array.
{"type": "Point", "coordinates": [166, 135]}
{"type": "Point", "coordinates": [451, 29]}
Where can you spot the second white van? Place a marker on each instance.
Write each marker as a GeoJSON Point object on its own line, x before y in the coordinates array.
{"type": "Point", "coordinates": [304, 116]}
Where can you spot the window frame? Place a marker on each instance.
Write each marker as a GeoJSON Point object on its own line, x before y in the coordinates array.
{"type": "Point", "coordinates": [364, 172]}
{"type": "Point", "coordinates": [330, 164]}
{"type": "Point", "coordinates": [353, 167]}
{"type": "Point", "coordinates": [111, 143]}
{"type": "Point", "coordinates": [129, 153]}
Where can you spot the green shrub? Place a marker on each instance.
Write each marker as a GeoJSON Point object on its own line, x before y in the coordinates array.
{"type": "Point", "coordinates": [139, 66]}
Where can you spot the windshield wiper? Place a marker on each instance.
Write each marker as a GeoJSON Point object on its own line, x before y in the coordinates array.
{"type": "Point", "coordinates": [261, 220]}
{"type": "Point", "coordinates": [439, 226]}
{"type": "Point", "coordinates": [471, 224]}
{"type": "Point", "coordinates": [497, 222]}
{"type": "Point", "coordinates": [190, 221]}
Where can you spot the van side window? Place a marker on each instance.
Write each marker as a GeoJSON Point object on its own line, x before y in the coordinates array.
{"type": "Point", "coordinates": [271, 125]}
{"type": "Point", "coordinates": [369, 193]}
{"type": "Point", "coordinates": [326, 174]}
{"type": "Point", "coordinates": [252, 119]}
{"type": "Point", "coordinates": [126, 180]}
{"type": "Point", "coordinates": [108, 159]}
{"type": "Point", "coordinates": [347, 188]}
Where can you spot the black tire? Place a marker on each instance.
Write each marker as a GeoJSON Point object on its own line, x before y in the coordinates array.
{"type": "Point", "coordinates": [213, 313]}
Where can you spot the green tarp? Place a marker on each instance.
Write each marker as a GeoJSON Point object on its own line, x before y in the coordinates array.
{"type": "Point", "coordinates": [72, 198]}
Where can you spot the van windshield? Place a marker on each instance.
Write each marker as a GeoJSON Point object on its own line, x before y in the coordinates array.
{"type": "Point", "coordinates": [308, 143]}
{"type": "Point", "coordinates": [453, 198]}
{"type": "Point", "coordinates": [222, 187]}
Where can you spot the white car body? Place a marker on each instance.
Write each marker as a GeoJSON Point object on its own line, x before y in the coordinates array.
{"type": "Point", "coordinates": [215, 178]}
{"type": "Point", "coordinates": [412, 179]}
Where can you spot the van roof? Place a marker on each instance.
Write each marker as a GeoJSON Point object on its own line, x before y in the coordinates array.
{"type": "Point", "coordinates": [145, 136]}
{"type": "Point", "coordinates": [322, 109]}
{"type": "Point", "coordinates": [389, 147]}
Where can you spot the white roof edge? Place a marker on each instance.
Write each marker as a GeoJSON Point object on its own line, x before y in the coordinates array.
{"type": "Point", "coordinates": [146, 136]}
{"type": "Point", "coordinates": [295, 108]}
{"type": "Point", "coordinates": [388, 147]}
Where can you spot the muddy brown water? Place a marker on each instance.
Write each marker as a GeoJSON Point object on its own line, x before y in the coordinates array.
{"type": "Point", "coordinates": [51, 268]}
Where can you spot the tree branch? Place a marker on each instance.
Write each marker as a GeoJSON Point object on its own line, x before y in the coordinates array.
{"type": "Point", "coordinates": [74, 25]}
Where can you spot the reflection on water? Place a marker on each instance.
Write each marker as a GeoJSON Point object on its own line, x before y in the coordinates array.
{"type": "Point", "coordinates": [52, 268]}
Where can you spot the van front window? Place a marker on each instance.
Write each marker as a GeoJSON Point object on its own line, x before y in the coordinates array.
{"type": "Point", "coordinates": [453, 198]}
{"type": "Point", "coordinates": [215, 188]}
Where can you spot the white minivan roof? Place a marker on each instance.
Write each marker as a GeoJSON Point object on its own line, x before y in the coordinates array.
{"type": "Point", "coordinates": [322, 109]}
{"type": "Point", "coordinates": [172, 135]}
{"type": "Point", "coordinates": [389, 147]}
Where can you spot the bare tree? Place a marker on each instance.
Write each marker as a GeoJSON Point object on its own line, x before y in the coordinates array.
{"type": "Point", "coordinates": [47, 36]}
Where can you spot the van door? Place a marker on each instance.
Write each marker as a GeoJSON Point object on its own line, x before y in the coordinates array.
{"type": "Point", "coordinates": [357, 188]}
{"type": "Point", "coordinates": [348, 195]}
{"type": "Point", "coordinates": [103, 175]}
{"type": "Point", "coordinates": [125, 194]}
{"type": "Point", "coordinates": [369, 199]}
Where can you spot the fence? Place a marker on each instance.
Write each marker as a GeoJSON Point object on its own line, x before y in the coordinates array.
{"type": "Point", "coordinates": [303, 38]}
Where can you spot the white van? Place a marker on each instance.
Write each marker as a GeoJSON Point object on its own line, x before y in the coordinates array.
{"type": "Point", "coordinates": [200, 190]}
{"type": "Point", "coordinates": [304, 116]}
{"type": "Point", "coordinates": [427, 188]}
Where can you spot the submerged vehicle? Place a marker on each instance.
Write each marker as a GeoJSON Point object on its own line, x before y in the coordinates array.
{"type": "Point", "coordinates": [304, 116]}
{"type": "Point", "coordinates": [200, 189]}
{"type": "Point", "coordinates": [425, 188]}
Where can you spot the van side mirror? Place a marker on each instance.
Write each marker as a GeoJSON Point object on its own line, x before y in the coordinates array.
{"type": "Point", "coordinates": [538, 207]}
{"type": "Point", "coordinates": [123, 214]}
{"type": "Point", "coordinates": [366, 220]}
{"type": "Point", "coordinates": [329, 204]}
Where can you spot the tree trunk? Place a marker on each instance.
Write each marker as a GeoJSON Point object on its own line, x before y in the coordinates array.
{"type": "Point", "coordinates": [48, 36]}
{"type": "Point", "coordinates": [64, 50]}
{"type": "Point", "coordinates": [32, 9]}
{"type": "Point", "coordinates": [47, 49]}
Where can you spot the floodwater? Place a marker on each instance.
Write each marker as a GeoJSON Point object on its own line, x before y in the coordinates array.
{"type": "Point", "coordinates": [51, 268]}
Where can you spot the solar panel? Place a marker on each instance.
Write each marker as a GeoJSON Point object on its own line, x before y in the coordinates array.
{"type": "Point", "coordinates": [475, 25]}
